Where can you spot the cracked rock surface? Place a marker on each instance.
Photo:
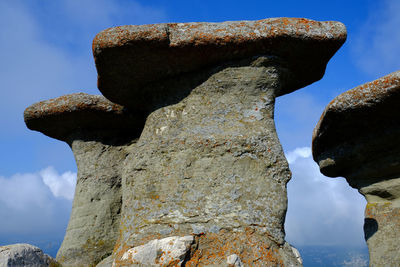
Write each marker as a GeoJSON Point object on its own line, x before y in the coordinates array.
{"type": "Point", "coordinates": [357, 137]}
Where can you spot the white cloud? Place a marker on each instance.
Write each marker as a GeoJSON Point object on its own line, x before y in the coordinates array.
{"type": "Point", "coordinates": [300, 152]}
{"type": "Point", "coordinates": [60, 185]}
{"type": "Point", "coordinates": [322, 210]}
{"type": "Point", "coordinates": [376, 45]}
{"type": "Point", "coordinates": [33, 202]}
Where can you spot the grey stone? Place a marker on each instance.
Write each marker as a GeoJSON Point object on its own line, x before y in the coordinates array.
{"type": "Point", "coordinates": [24, 255]}
{"type": "Point", "coordinates": [95, 216]}
{"type": "Point", "coordinates": [191, 156]}
{"type": "Point", "coordinates": [133, 62]}
{"type": "Point", "coordinates": [208, 163]}
{"type": "Point", "coordinates": [358, 137]}
{"type": "Point", "coordinates": [98, 132]}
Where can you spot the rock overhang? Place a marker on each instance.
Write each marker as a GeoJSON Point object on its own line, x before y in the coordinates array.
{"type": "Point", "coordinates": [62, 116]}
{"type": "Point", "coordinates": [357, 134]}
{"type": "Point", "coordinates": [131, 60]}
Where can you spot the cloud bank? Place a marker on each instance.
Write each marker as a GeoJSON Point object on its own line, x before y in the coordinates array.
{"type": "Point", "coordinates": [322, 210]}
{"type": "Point", "coordinates": [35, 207]}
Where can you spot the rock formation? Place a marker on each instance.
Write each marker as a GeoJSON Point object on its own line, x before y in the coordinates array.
{"type": "Point", "coordinates": [97, 131]}
{"type": "Point", "coordinates": [357, 137]}
{"type": "Point", "coordinates": [205, 183]}
{"type": "Point", "coordinates": [24, 255]}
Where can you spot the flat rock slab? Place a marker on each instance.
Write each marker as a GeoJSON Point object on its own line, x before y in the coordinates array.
{"type": "Point", "coordinates": [132, 61]}
{"type": "Point", "coordinates": [358, 133]}
{"type": "Point", "coordinates": [62, 116]}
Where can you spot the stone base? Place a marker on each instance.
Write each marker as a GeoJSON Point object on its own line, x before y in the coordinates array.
{"type": "Point", "coordinates": [252, 249]}
{"type": "Point", "coordinates": [226, 248]}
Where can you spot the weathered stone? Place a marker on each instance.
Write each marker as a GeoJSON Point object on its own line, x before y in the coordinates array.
{"type": "Point", "coordinates": [62, 116]}
{"type": "Point", "coordinates": [358, 137]}
{"type": "Point", "coordinates": [360, 129]}
{"type": "Point", "coordinates": [212, 165]}
{"type": "Point", "coordinates": [24, 255]}
{"type": "Point", "coordinates": [208, 163]}
{"type": "Point", "coordinates": [134, 62]}
{"type": "Point", "coordinates": [170, 251]}
{"type": "Point", "coordinates": [98, 132]}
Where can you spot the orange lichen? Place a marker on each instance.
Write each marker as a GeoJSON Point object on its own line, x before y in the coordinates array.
{"type": "Point", "coordinates": [213, 249]}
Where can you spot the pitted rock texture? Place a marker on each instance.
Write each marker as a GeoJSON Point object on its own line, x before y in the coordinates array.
{"type": "Point", "coordinates": [133, 62]}
{"type": "Point", "coordinates": [358, 137]}
{"type": "Point", "coordinates": [24, 255]}
{"type": "Point", "coordinates": [98, 132]}
{"type": "Point", "coordinates": [211, 163]}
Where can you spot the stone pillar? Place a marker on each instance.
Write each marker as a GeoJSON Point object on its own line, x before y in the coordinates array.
{"type": "Point", "coordinates": [212, 166]}
{"type": "Point", "coordinates": [357, 137]}
{"type": "Point", "coordinates": [208, 165]}
{"type": "Point", "coordinates": [98, 132]}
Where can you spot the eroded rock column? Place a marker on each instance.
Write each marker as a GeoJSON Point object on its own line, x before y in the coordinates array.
{"type": "Point", "coordinates": [98, 132]}
{"type": "Point", "coordinates": [357, 137]}
{"type": "Point", "coordinates": [208, 166]}
{"type": "Point", "coordinates": [212, 166]}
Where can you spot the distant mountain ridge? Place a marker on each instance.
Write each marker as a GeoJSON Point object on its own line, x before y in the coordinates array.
{"type": "Point", "coordinates": [334, 256]}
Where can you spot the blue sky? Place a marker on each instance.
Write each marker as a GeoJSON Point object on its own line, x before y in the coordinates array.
{"type": "Point", "coordinates": [45, 52]}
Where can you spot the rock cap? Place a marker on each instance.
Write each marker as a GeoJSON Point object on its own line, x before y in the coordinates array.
{"type": "Point", "coordinates": [59, 117]}
{"type": "Point", "coordinates": [132, 59]}
{"type": "Point", "coordinates": [358, 132]}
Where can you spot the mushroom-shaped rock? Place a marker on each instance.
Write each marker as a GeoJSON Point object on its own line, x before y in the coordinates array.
{"type": "Point", "coordinates": [134, 63]}
{"type": "Point", "coordinates": [357, 137]}
{"type": "Point", "coordinates": [64, 116]}
{"type": "Point", "coordinates": [97, 131]}
{"type": "Point", "coordinates": [210, 163]}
